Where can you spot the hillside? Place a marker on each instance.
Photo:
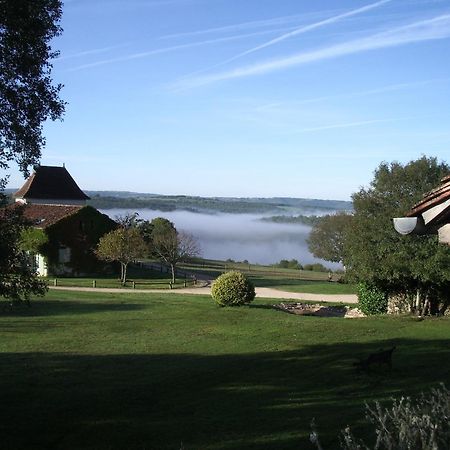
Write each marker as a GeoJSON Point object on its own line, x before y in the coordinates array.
{"type": "Point", "coordinates": [278, 205]}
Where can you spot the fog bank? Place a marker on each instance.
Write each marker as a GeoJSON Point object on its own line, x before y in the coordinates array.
{"type": "Point", "coordinates": [238, 236]}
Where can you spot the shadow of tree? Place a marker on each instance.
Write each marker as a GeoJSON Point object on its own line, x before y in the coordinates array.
{"type": "Point", "coordinates": [240, 402]}
{"type": "Point", "coordinates": [39, 308]}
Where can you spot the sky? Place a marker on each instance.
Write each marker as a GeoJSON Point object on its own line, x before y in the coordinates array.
{"type": "Point", "coordinates": [248, 98]}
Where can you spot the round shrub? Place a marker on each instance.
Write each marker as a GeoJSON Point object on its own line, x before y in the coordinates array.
{"type": "Point", "coordinates": [371, 299]}
{"type": "Point", "coordinates": [232, 289]}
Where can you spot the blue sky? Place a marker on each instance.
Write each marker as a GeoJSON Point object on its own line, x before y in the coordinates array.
{"type": "Point", "coordinates": [248, 97]}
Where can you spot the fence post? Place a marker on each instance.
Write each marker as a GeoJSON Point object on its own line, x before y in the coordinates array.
{"type": "Point", "coordinates": [94, 283]}
{"type": "Point", "coordinates": [134, 284]}
{"type": "Point", "coordinates": [55, 282]}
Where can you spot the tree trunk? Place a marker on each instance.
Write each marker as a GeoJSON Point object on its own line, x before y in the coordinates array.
{"type": "Point", "coordinates": [418, 302]}
{"type": "Point", "coordinates": [124, 273]}
{"type": "Point", "coordinates": [172, 268]}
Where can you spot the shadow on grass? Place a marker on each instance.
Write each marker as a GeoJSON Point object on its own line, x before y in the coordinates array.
{"type": "Point", "coordinates": [234, 402]}
{"type": "Point", "coordinates": [39, 308]}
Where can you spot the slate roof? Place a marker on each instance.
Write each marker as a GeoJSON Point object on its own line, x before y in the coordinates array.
{"type": "Point", "coordinates": [51, 183]}
{"type": "Point", "coordinates": [43, 216]}
{"type": "Point", "coordinates": [435, 197]}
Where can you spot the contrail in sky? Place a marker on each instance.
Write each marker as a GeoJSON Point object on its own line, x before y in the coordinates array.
{"type": "Point", "coordinates": [264, 23]}
{"type": "Point", "coordinates": [157, 51]}
{"type": "Point", "coordinates": [309, 27]}
{"type": "Point", "coordinates": [431, 29]}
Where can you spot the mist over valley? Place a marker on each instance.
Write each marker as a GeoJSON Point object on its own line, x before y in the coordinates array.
{"type": "Point", "coordinates": [238, 236]}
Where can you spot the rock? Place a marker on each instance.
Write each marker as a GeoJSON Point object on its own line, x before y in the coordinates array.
{"type": "Point", "coordinates": [306, 309]}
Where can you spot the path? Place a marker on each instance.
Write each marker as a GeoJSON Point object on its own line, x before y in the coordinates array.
{"type": "Point", "coordinates": [261, 292]}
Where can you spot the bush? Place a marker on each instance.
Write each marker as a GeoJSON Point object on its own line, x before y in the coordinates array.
{"type": "Point", "coordinates": [232, 289]}
{"type": "Point", "coordinates": [371, 299]}
{"type": "Point", "coordinates": [316, 267]}
{"type": "Point", "coordinates": [420, 425]}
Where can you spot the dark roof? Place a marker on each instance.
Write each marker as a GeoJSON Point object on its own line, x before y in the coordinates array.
{"type": "Point", "coordinates": [432, 198]}
{"type": "Point", "coordinates": [51, 183]}
{"type": "Point", "coordinates": [43, 216]}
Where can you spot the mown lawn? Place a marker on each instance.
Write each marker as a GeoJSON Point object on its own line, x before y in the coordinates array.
{"type": "Point", "coordinates": [141, 371]}
{"type": "Point", "coordinates": [290, 280]}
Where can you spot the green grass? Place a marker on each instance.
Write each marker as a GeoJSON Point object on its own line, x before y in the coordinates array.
{"type": "Point", "coordinates": [146, 371]}
{"type": "Point", "coordinates": [306, 286]}
{"type": "Point", "coordinates": [290, 280]}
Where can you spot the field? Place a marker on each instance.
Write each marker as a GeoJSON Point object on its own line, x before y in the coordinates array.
{"type": "Point", "coordinates": [147, 371]}
{"type": "Point", "coordinates": [290, 280]}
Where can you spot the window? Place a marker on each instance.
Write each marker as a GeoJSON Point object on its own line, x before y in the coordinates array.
{"type": "Point", "coordinates": [64, 255]}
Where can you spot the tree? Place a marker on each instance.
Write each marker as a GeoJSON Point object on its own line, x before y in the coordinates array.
{"type": "Point", "coordinates": [171, 246]}
{"type": "Point", "coordinates": [27, 96]}
{"type": "Point", "coordinates": [27, 99]}
{"type": "Point", "coordinates": [17, 277]}
{"type": "Point", "coordinates": [123, 245]}
{"type": "Point", "coordinates": [292, 264]}
{"type": "Point", "coordinates": [326, 240]}
{"type": "Point", "coordinates": [376, 254]}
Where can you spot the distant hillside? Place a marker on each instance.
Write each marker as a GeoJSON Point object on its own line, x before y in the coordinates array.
{"type": "Point", "coordinates": [281, 206]}
{"type": "Point", "coordinates": [278, 205]}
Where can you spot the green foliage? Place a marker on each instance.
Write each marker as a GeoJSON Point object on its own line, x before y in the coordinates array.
{"type": "Point", "coordinates": [27, 96]}
{"type": "Point", "coordinates": [371, 299]}
{"type": "Point", "coordinates": [377, 254]}
{"type": "Point", "coordinates": [315, 267]}
{"type": "Point", "coordinates": [33, 239]}
{"type": "Point", "coordinates": [301, 219]}
{"type": "Point", "coordinates": [232, 289]}
{"type": "Point", "coordinates": [326, 240]}
{"type": "Point", "coordinates": [18, 281]}
{"type": "Point", "coordinates": [292, 264]}
{"type": "Point", "coordinates": [123, 245]}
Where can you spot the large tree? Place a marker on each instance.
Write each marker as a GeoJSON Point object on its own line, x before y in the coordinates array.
{"type": "Point", "coordinates": [28, 96]}
{"type": "Point", "coordinates": [375, 253]}
{"type": "Point", "coordinates": [326, 239]}
{"type": "Point", "coordinates": [170, 245]}
{"type": "Point", "coordinates": [27, 99]}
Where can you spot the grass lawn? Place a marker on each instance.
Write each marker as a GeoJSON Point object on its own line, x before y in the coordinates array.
{"type": "Point", "coordinates": [290, 280]}
{"type": "Point", "coordinates": [147, 371]}
{"type": "Point", "coordinates": [306, 286]}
